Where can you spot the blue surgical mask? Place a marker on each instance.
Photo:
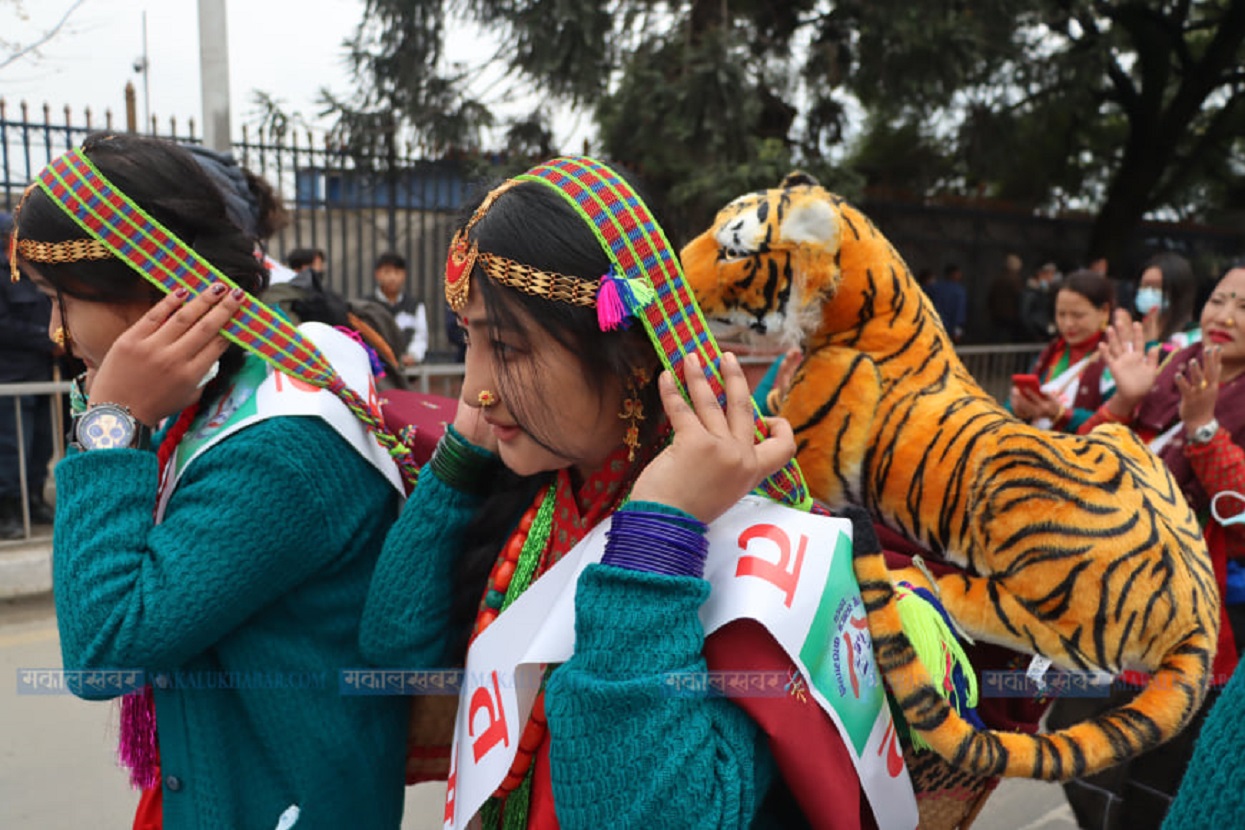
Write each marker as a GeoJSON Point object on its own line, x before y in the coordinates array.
{"type": "Point", "coordinates": [1148, 299]}
{"type": "Point", "coordinates": [1226, 521]}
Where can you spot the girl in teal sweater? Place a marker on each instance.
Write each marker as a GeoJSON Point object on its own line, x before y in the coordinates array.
{"type": "Point", "coordinates": [566, 419]}
{"type": "Point", "coordinates": [228, 570]}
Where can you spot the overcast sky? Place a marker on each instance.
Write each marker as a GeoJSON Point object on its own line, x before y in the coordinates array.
{"type": "Point", "coordinates": [289, 48]}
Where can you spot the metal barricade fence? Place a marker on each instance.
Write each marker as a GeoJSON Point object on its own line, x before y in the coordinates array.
{"type": "Point", "coordinates": [992, 367]}
{"type": "Point", "coordinates": [11, 394]}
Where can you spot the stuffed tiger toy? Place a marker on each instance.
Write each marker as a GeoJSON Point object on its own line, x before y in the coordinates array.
{"type": "Point", "coordinates": [1078, 548]}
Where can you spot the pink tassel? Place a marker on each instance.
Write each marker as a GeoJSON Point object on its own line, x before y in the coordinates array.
{"type": "Point", "coordinates": [137, 749]}
{"type": "Point", "coordinates": [610, 309]}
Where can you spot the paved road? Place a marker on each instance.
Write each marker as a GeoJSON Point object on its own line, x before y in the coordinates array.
{"type": "Point", "coordinates": [57, 770]}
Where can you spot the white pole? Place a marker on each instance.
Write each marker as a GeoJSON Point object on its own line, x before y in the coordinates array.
{"type": "Point", "coordinates": [146, 78]}
{"type": "Point", "coordinates": [214, 73]}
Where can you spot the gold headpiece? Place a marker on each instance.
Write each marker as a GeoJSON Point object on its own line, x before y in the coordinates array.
{"type": "Point", "coordinates": [465, 255]}
{"type": "Point", "coordinates": [73, 250]}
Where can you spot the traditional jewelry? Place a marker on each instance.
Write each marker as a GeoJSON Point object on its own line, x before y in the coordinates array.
{"type": "Point", "coordinates": [486, 398]}
{"type": "Point", "coordinates": [633, 410]}
{"type": "Point", "coordinates": [60, 337]}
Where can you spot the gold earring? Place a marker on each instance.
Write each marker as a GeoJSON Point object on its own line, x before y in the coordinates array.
{"type": "Point", "coordinates": [60, 336]}
{"type": "Point", "coordinates": [633, 410]}
{"type": "Point", "coordinates": [486, 398]}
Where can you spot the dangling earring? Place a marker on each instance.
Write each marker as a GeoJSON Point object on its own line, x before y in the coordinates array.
{"type": "Point", "coordinates": [633, 410]}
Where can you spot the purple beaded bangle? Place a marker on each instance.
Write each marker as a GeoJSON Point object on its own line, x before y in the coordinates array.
{"type": "Point", "coordinates": [655, 543]}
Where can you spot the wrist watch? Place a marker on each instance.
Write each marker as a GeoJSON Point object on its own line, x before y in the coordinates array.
{"type": "Point", "coordinates": [107, 426]}
{"type": "Point", "coordinates": [1204, 433]}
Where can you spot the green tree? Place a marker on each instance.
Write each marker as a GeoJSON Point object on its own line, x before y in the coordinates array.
{"type": "Point", "coordinates": [1127, 107]}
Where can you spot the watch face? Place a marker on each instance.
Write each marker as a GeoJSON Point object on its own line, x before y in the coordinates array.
{"type": "Point", "coordinates": [105, 427]}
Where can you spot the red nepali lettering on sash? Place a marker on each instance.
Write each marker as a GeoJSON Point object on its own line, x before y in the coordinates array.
{"type": "Point", "coordinates": [303, 386]}
{"type": "Point", "coordinates": [775, 573]}
{"type": "Point", "coordinates": [451, 788]}
{"type": "Point", "coordinates": [496, 729]}
{"type": "Point", "coordinates": [890, 745]}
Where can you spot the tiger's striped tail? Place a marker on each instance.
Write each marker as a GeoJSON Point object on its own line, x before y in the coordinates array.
{"type": "Point", "coordinates": [1164, 707]}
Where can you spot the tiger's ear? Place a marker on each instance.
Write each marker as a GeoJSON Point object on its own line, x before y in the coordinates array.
{"type": "Point", "coordinates": [798, 177]}
{"type": "Point", "coordinates": [811, 229]}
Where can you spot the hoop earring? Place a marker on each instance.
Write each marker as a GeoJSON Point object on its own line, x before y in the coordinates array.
{"type": "Point", "coordinates": [486, 399]}
{"type": "Point", "coordinates": [633, 410]}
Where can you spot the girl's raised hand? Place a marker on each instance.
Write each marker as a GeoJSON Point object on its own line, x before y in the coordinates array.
{"type": "Point", "coordinates": [156, 366]}
{"type": "Point", "coordinates": [714, 459]}
{"type": "Point", "coordinates": [1133, 368]}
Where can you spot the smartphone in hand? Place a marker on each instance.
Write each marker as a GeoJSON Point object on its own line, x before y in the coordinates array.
{"type": "Point", "coordinates": [1028, 384]}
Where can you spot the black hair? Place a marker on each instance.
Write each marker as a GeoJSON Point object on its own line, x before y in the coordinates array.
{"type": "Point", "coordinates": [1092, 286]}
{"type": "Point", "coordinates": [166, 182]}
{"type": "Point", "coordinates": [251, 202]}
{"type": "Point", "coordinates": [1179, 291]}
{"type": "Point", "coordinates": [300, 258]}
{"type": "Point", "coordinates": [532, 225]}
{"type": "Point", "coordinates": [392, 259]}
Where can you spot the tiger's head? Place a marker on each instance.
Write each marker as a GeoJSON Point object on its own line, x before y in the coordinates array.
{"type": "Point", "coordinates": [765, 266]}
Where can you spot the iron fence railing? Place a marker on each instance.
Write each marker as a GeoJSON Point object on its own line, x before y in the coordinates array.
{"type": "Point", "coordinates": [11, 394]}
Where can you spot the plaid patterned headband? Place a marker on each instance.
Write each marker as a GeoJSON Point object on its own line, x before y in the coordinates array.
{"type": "Point", "coordinates": [646, 280]}
{"type": "Point", "coordinates": [78, 188]}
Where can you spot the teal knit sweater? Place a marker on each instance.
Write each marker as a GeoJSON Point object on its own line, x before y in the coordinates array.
{"type": "Point", "coordinates": [622, 753]}
{"type": "Point", "coordinates": [1212, 791]}
{"type": "Point", "coordinates": [242, 606]}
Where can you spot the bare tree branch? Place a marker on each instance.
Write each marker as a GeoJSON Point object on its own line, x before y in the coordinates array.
{"type": "Point", "coordinates": [51, 33]}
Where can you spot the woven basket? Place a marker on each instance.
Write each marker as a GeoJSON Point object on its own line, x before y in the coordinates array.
{"type": "Point", "coordinates": [946, 798]}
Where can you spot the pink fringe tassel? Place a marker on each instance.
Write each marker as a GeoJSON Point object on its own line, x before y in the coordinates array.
{"type": "Point", "coordinates": [137, 748]}
{"type": "Point", "coordinates": [610, 310]}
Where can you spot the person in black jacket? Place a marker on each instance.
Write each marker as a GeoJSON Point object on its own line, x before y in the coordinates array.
{"type": "Point", "coordinates": [26, 354]}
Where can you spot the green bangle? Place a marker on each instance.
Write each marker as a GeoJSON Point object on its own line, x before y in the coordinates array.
{"type": "Point", "coordinates": [462, 465]}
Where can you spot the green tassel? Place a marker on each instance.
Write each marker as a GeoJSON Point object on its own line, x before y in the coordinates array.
{"type": "Point", "coordinates": [936, 647]}
{"type": "Point", "coordinates": [639, 294]}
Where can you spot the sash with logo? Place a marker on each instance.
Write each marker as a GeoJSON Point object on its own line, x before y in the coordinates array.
{"type": "Point", "coordinates": [260, 392]}
{"type": "Point", "coordinates": [787, 570]}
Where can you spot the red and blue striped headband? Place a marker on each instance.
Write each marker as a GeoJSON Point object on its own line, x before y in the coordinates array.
{"type": "Point", "coordinates": [650, 279]}
{"type": "Point", "coordinates": [79, 189]}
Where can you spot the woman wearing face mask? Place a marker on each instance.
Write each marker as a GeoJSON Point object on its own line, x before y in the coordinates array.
{"type": "Point", "coordinates": [1191, 410]}
{"type": "Point", "coordinates": [1166, 293]}
{"type": "Point", "coordinates": [1069, 369]}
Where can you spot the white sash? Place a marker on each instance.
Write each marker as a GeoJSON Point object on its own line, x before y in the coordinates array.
{"type": "Point", "coordinates": [789, 570]}
{"type": "Point", "coordinates": [260, 392]}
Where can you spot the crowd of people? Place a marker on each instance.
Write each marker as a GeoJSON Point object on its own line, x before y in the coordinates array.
{"type": "Point", "coordinates": [231, 501]}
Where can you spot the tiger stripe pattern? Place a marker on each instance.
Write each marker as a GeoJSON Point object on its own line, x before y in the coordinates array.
{"type": "Point", "coordinates": [1078, 548]}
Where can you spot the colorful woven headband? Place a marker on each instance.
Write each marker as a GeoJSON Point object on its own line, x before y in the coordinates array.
{"type": "Point", "coordinates": [645, 280]}
{"type": "Point", "coordinates": [128, 233]}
